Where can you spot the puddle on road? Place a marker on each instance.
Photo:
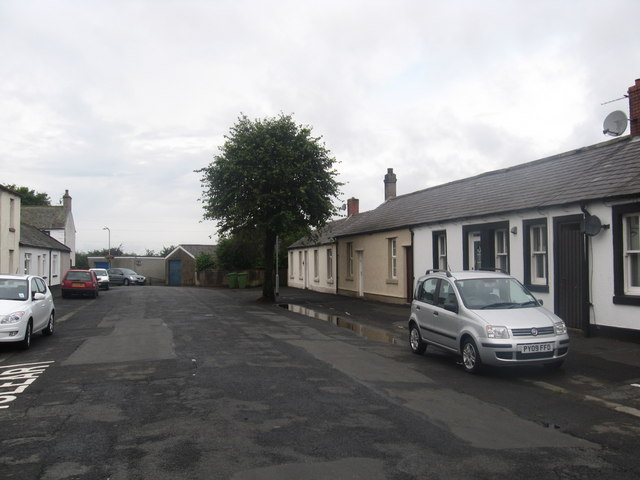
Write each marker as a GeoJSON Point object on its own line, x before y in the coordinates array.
{"type": "Point", "coordinates": [363, 331]}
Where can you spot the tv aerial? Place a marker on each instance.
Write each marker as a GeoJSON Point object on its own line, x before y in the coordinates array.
{"type": "Point", "coordinates": [615, 124]}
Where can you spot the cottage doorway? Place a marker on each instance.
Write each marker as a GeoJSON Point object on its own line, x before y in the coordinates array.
{"type": "Point", "coordinates": [175, 273]}
{"type": "Point", "coordinates": [570, 283]}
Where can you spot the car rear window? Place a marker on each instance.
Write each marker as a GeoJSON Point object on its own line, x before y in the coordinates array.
{"type": "Point", "coordinates": [79, 276]}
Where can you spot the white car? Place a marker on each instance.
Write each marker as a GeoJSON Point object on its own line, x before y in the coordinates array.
{"type": "Point", "coordinates": [103, 277]}
{"type": "Point", "coordinates": [26, 307]}
{"type": "Point", "coordinates": [487, 318]}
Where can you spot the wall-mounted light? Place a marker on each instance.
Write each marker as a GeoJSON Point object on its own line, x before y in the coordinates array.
{"type": "Point", "coordinates": [514, 230]}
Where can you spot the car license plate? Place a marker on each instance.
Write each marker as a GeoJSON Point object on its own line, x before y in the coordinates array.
{"type": "Point", "coordinates": [79, 285]}
{"type": "Point", "coordinates": [536, 348]}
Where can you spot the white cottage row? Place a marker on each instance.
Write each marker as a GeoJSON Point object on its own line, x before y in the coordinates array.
{"type": "Point", "coordinates": [567, 226]}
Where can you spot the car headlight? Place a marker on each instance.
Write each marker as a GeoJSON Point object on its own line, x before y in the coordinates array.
{"type": "Point", "coordinates": [560, 328]}
{"type": "Point", "coordinates": [497, 332]}
{"type": "Point", "coordinates": [14, 317]}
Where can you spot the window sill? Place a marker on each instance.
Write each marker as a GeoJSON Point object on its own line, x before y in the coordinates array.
{"type": "Point", "coordinates": [626, 300]}
{"type": "Point", "coordinates": [538, 288]}
{"type": "Point", "coordinates": [392, 281]}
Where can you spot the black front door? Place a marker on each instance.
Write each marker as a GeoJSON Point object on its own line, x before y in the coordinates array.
{"type": "Point", "coordinates": [570, 268]}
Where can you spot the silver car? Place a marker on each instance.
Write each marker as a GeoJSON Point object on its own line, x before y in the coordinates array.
{"type": "Point", "coordinates": [487, 318]}
{"type": "Point", "coordinates": [26, 307]}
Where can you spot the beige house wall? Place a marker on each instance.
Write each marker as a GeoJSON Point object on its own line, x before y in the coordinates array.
{"type": "Point", "coordinates": [9, 232]}
{"type": "Point", "coordinates": [372, 277]}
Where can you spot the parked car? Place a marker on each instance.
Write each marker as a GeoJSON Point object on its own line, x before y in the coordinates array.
{"type": "Point", "coordinates": [103, 277]}
{"type": "Point", "coordinates": [125, 276]}
{"type": "Point", "coordinates": [487, 318]}
{"type": "Point", "coordinates": [26, 307]}
{"type": "Point", "coordinates": [79, 282]}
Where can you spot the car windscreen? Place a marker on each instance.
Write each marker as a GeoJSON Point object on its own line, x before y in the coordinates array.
{"type": "Point", "coordinates": [14, 289]}
{"type": "Point", "coordinates": [100, 272]}
{"type": "Point", "coordinates": [493, 293]}
{"type": "Point", "coordinates": [79, 277]}
{"type": "Point", "coordinates": [127, 271]}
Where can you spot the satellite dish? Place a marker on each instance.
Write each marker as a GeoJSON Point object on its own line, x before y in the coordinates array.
{"type": "Point", "coordinates": [592, 225]}
{"type": "Point", "coordinates": [615, 124]}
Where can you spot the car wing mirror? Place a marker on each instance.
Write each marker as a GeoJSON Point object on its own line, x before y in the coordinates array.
{"type": "Point", "coordinates": [38, 296]}
{"type": "Point", "coordinates": [540, 301]}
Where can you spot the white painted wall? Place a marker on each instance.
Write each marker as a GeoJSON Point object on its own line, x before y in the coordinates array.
{"type": "Point", "coordinates": [601, 276]}
{"type": "Point", "coordinates": [302, 275]}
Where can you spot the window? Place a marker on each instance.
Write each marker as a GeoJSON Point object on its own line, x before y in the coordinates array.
{"type": "Point", "coordinates": [536, 255]}
{"type": "Point", "coordinates": [393, 258]}
{"type": "Point", "coordinates": [631, 252]}
{"type": "Point", "coordinates": [290, 264]}
{"type": "Point", "coordinates": [447, 295]}
{"type": "Point", "coordinates": [316, 266]}
{"type": "Point", "coordinates": [54, 265]}
{"type": "Point", "coordinates": [538, 242]}
{"type": "Point", "coordinates": [426, 292]}
{"type": "Point", "coordinates": [625, 227]}
{"type": "Point", "coordinates": [300, 265]}
{"type": "Point", "coordinates": [502, 251]}
{"type": "Point", "coordinates": [27, 263]}
{"type": "Point", "coordinates": [329, 265]}
{"type": "Point", "coordinates": [349, 259]}
{"type": "Point", "coordinates": [12, 214]}
{"type": "Point", "coordinates": [440, 250]}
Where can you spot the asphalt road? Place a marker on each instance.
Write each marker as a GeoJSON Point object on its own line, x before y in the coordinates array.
{"type": "Point", "coordinates": [185, 383]}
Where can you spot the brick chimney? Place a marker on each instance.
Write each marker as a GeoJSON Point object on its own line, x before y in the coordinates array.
{"type": "Point", "coordinates": [353, 206]}
{"type": "Point", "coordinates": [389, 184]}
{"type": "Point", "coordinates": [634, 108]}
{"type": "Point", "coordinates": [66, 201]}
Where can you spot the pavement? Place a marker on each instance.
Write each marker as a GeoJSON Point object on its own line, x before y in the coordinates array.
{"type": "Point", "coordinates": [597, 352]}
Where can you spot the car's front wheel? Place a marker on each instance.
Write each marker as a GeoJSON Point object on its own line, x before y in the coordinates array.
{"type": "Point", "coordinates": [126, 282]}
{"type": "Point", "coordinates": [470, 356]}
{"type": "Point", "coordinates": [26, 342]}
{"type": "Point", "coordinates": [415, 340]}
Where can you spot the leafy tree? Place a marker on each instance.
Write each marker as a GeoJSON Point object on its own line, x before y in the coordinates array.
{"type": "Point", "coordinates": [31, 197]}
{"type": "Point", "coordinates": [166, 250]}
{"type": "Point", "coordinates": [239, 252]}
{"type": "Point", "coordinates": [205, 261]}
{"type": "Point", "coordinates": [271, 177]}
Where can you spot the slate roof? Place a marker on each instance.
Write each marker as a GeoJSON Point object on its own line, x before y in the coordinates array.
{"type": "Point", "coordinates": [30, 236]}
{"type": "Point", "coordinates": [45, 218]}
{"type": "Point", "coordinates": [605, 171]}
{"type": "Point", "coordinates": [323, 236]}
{"type": "Point", "coordinates": [196, 250]}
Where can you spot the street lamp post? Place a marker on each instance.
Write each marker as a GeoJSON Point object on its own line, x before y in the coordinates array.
{"type": "Point", "coordinates": [109, 232]}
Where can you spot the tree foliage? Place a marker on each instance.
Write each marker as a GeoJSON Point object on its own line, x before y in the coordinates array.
{"type": "Point", "coordinates": [31, 197]}
{"type": "Point", "coordinates": [270, 178]}
{"type": "Point", "coordinates": [205, 261]}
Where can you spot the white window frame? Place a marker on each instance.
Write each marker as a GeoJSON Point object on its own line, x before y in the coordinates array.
{"type": "Point", "coordinates": [329, 265]}
{"type": "Point", "coordinates": [538, 242]}
{"type": "Point", "coordinates": [300, 265]}
{"type": "Point", "coordinates": [393, 258]}
{"type": "Point", "coordinates": [442, 251]}
{"type": "Point", "coordinates": [349, 259]}
{"type": "Point", "coordinates": [502, 254]}
{"type": "Point", "coordinates": [27, 263]}
{"type": "Point", "coordinates": [291, 265]}
{"type": "Point", "coordinates": [316, 265]}
{"type": "Point", "coordinates": [630, 253]}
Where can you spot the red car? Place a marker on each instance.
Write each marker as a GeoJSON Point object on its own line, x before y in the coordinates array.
{"type": "Point", "coordinates": [80, 282]}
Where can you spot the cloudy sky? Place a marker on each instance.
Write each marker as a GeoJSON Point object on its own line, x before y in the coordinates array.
{"type": "Point", "coordinates": [120, 101]}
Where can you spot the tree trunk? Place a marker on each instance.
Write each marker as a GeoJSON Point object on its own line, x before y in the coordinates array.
{"type": "Point", "coordinates": [268, 290]}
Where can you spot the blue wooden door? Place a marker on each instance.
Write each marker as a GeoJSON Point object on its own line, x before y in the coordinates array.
{"type": "Point", "coordinates": [175, 272]}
